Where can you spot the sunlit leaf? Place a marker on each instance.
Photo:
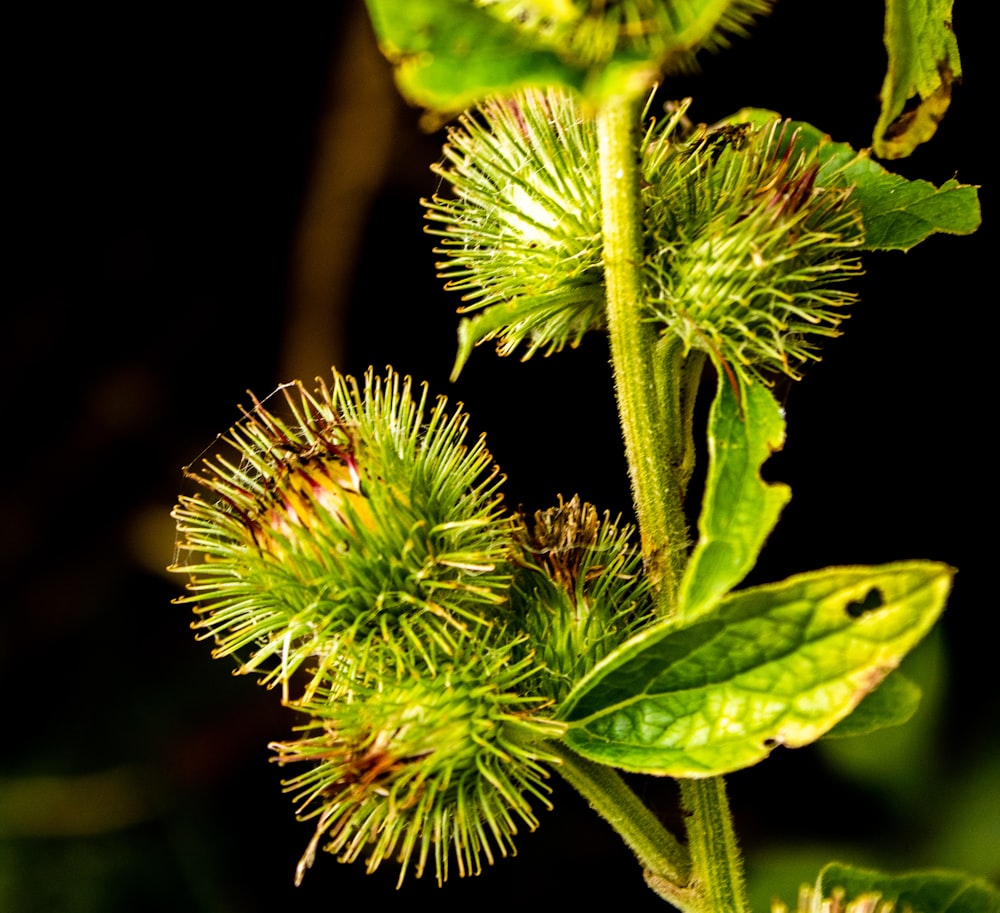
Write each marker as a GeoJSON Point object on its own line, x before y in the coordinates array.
{"type": "Point", "coordinates": [892, 703]}
{"type": "Point", "coordinates": [899, 763]}
{"type": "Point", "coordinates": [773, 665]}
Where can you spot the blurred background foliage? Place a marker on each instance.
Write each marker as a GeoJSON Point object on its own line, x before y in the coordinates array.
{"type": "Point", "coordinates": [206, 201]}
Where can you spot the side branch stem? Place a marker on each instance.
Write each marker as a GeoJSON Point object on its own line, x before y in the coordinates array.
{"type": "Point", "coordinates": [661, 855]}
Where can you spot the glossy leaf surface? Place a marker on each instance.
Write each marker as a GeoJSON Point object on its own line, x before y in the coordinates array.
{"type": "Point", "coordinates": [778, 664]}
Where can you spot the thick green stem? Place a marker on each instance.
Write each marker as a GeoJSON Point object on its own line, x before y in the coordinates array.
{"type": "Point", "coordinates": [650, 410]}
{"type": "Point", "coordinates": [717, 873]}
{"type": "Point", "coordinates": [657, 850]}
{"type": "Point", "coordinates": [656, 389]}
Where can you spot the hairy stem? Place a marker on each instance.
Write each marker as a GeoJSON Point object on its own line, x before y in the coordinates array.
{"type": "Point", "coordinates": [656, 391]}
{"type": "Point", "coordinates": [658, 851]}
{"type": "Point", "coordinates": [717, 863]}
{"type": "Point", "coordinates": [651, 417]}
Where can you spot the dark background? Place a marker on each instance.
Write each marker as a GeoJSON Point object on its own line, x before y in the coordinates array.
{"type": "Point", "coordinates": [206, 201]}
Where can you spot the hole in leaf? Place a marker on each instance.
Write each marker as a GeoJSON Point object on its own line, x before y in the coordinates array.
{"type": "Point", "coordinates": [770, 743]}
{"type": "Point", "coordinates": [873, 600]}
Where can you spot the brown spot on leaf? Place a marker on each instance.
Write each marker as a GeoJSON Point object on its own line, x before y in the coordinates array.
{"type": "Point", "coordinates": [919, 121]}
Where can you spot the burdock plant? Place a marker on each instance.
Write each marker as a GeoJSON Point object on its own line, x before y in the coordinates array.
{"type": "Point", "coordinates": [444, 654]}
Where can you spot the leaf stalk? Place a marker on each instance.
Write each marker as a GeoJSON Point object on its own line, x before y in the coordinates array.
{"type": "Point", "coordinates": [658, 851]}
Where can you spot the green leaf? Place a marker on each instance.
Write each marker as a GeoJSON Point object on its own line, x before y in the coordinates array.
{"type": "Point", "coordinates": [922, 892]}
{"type": "Point", "coordinates": [449, 54]}
{"type": "Point", "coordinates": [739, 509]}
{"type": "Point", "coordinates": [923, 64]}
{"type": "Point", "coordinates": [897, 214]}
{"type": "Point", "coordinates": [900, 763]}
{"type": "Point", "coordinates": [773, 665]}
{"type": "Point", "coordinates": [891, 704]}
